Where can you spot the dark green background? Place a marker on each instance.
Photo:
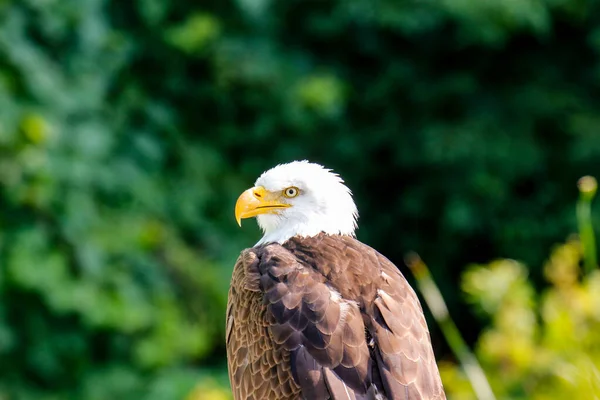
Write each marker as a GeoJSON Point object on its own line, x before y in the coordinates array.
{"type": "Point", "coordinates": [129, 128]}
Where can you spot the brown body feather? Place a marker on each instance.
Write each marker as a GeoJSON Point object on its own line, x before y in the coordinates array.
{"type": "Point", "coordinates": [326, 317]}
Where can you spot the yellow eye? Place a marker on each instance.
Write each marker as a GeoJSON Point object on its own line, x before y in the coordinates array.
{"type": "Point", "coordinates": [290, 192]}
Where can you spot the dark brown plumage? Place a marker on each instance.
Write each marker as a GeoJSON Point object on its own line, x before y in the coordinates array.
{"type": "Point", "coordinates": [326, 317]}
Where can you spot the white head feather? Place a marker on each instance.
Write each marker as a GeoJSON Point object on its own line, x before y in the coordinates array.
{"type": "Point", "coordinates": [324, 204]}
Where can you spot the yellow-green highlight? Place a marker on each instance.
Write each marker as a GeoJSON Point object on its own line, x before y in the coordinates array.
{"type": "Point", "coordinates": [587, 191]}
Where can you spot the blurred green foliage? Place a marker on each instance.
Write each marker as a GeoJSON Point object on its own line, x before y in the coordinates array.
{"type": "Point", "coordinates": [538, 345]}
{"type": "Point", "coordinates": [127, 130]}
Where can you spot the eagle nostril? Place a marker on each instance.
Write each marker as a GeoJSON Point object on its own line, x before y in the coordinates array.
{"type": "Point", "coordinates": [256, 194]}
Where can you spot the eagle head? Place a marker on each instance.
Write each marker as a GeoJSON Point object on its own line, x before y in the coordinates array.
{"type": "Point", "coordinates": [298, 199]}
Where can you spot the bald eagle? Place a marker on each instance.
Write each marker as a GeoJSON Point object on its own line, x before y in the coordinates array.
{"type": "Point", "coordinates": [312, 312]}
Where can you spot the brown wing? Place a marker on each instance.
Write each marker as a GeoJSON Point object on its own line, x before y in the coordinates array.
{"type": "Point", "coordinates": [404, 354]}
{"type": "Point", "coordinates": [323, 332]}
{"type": "Point", "coordinates": [258, 370]}
{"type": "Point", "coordinates": [403, 362]}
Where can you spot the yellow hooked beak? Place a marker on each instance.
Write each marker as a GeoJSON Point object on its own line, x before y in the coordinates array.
{"type": "Point", "coordinates": [256, 201]}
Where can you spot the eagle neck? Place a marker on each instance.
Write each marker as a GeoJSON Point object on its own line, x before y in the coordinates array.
{"type": "Point", "coordinates": [282, 236]}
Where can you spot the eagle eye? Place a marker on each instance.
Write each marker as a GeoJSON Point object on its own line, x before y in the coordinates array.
{"type": "Point", "coordinates": [290, 192]}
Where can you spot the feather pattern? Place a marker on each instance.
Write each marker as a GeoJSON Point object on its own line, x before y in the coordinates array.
{"type": "Point", "coordinates": [326, 317]}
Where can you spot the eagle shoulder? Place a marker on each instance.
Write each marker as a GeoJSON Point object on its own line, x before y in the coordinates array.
{"type": "Point", "coordinates": [257, 368]}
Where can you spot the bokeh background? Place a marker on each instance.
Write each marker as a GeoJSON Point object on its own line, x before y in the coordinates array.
{"type": "Point", "coordinates": [129, 128]}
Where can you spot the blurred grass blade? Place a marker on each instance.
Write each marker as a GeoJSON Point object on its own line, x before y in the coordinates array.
{"type": "Point", "coordinates": [435, 301]}
{"type": "Point", "coordinates": [587, 190]}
